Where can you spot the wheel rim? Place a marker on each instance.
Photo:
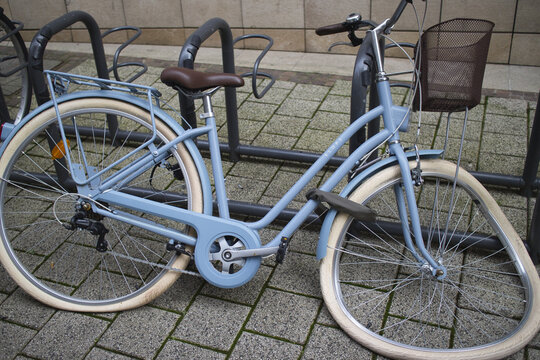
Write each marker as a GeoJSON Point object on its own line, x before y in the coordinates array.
{"type": "Point", "coordinates": [128, 267]}
{"type": "Point", "coordinates": [403, 309]}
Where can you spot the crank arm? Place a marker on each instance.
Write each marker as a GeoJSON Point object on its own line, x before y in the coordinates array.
{"type": "Point", "coordinates": [231, 255]}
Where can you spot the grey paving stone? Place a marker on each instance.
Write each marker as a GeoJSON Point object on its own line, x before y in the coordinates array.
{"type": "Point", "coordinates": [309, 92]}
{"type": "Point", "coordinates": [298, 108]}
{"type": "Point", "coordinates": [499, 163]}
{"type": "Point", "coordinates": [253, 346]}
{"type": "Point", "coordinates": [507, 144]}
{"type": "Point", "coordinates": [305, 241]}
{"type": "Point", "coordinates": [274, 96]}
{"type": "Point", "coordinates": [284, 315]}
{"type": "Point", "coordinates": [13, 338]}
{"type": "Point", "coordinates": [218, 99]}
{"type": "Point", "coordinates": [271, 201]}
{"type": "Point", "coordinates": [338, 104]}
{"type": "Point", "coordinates": [174, 349]}
{"type": "Point", "coordinates": [274, 141]}
{"type": "Point", "coordinates": [518, 219]}
{"type": "Point", "coordinates": [284, 180]}
{"type": "Point", "coordinates": [533, 353]}
{"type": "Point", "coordinates": [101, 354]}
{"type": "Point", "coordinates": [256, 111]}
{"type": "Point", "coordinates": [325, 318]}
{"type": "Point", "coordinates": [180, 294]}
{"type": "Point", "coordinates": [318, 141]}
{"type": "Point", "coordinates": [330, 343]}
{"type": "Point", "coordinates": [255, 169]}
{"type": "Point", "coordinates": [341, 87]}
{"type": "Point", "coordinates": [66, 336]}
{"type": "Point", "coordinates": [505, 124]}
{"type": "Point", "coordinates": [244, 189]}
{"type": "Point", "coordinates": [24, 310]}
{"type": "Point", "coordinates": [473, 129]}
{"type": "Point", "coordinates": [284, 84]}
{"type": "Point", "coordinates": [298, 273]}
{"type": "Point", "coordinates": [285, 125]}
{"type": "Point", "coordinates": [139, 332]}
{"type": "Point", "coordinates": [247, 130]}
{"type": "Point", "coordinates": [329, 121]}
{"type": "Point", "coordinates": [246, 294]}
{"type": "Point", "coordinates": [506, 106]}
{"type": "Point", "coordinates": [212, 322]}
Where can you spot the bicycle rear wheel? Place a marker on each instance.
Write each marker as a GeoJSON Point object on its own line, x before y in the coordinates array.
{"type": "Point", "coordinates": [487, 305]}
{"type": "Point", "coordinates": [16, 88]}
{"type": "Point", "coordinates": [64, 268]}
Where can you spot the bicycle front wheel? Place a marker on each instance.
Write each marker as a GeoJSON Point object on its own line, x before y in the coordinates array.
{"type": "Point", "coordinates": [485, 307]}
{"type": "Point", "coordinates": [16, 87]}
{"type": "Point", "coordinates": [72, 269]}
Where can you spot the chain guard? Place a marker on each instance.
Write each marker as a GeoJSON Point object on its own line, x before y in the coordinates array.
{"type": "Point", "coordinates": [210, 250]}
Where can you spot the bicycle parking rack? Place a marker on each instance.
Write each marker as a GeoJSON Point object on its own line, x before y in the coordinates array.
{"type": "Point", "coordinates": [362, 80]}
{"type": "Point", "coordinates": [41, 39]}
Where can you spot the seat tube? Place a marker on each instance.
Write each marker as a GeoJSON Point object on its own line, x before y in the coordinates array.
{"type": "Point", "coordinates": [215, 156]}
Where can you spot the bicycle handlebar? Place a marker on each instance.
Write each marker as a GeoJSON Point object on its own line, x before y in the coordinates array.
{"type": "Point", "coordinates": [354, 24]}
{"type": "Point", "coordinates": [332, 29]}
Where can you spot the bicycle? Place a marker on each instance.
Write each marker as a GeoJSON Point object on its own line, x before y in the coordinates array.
{"type": "Point", "coordinates": [106, 200]}
{"type": "Point", "coordinates": [14, 76]}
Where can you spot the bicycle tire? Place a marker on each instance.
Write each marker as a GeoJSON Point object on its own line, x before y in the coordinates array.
{"type": "Point", "coordinates": [379, 294]}
{"type": "Point", "coordinates": [63, 268]}
{"type": "Point", "coordinates": [17, 84]}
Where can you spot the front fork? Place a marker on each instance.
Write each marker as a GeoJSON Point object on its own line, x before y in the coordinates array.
{"type": "Point", "coordinates": [405, 197]}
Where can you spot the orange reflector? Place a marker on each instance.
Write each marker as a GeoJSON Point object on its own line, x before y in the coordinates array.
{"type": "Point", "coordinates": [59, 151]}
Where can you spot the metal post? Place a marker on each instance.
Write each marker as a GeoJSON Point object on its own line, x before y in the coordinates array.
{"type": "Point", "coordinates": [187, 59]}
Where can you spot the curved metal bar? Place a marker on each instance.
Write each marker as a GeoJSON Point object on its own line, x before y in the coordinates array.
{"type": "Point", "coordinates": [255, 73]}
{"type": "Point", "coordinates": [116, 65]}
{"type": "Point", "coordinates": [39, 43]}
{"type": "Point", "coordinates": [187, 59]}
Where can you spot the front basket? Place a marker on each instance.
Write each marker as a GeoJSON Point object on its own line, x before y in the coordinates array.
{"type": "Point", "coordinates": [452, 61]}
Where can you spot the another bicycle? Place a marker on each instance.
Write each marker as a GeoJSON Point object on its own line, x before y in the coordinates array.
{"type": "Point", "coordinates": [105, 200]}
{"type": "Point", "coordinates": [14, 76]}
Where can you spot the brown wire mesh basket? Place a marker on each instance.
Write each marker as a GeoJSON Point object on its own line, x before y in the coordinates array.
{"type": "Point", "coordinates": [453, 58]}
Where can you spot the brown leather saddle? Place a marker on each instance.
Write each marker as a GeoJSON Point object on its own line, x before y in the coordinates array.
{"type": "Point", "coordinates": [197, 81]}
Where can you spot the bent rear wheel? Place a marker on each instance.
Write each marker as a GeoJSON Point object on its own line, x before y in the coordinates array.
{"type": "Point", "coordinates": [487, 305]}
{"type": "Point", "coordinates": [71, 268]}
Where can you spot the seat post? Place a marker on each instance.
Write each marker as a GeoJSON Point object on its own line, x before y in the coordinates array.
{"type": "Point", "coordinates": [207, 106]}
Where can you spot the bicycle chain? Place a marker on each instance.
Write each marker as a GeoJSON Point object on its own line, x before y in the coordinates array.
{"type": "Point", "coordinates": [166, 267]}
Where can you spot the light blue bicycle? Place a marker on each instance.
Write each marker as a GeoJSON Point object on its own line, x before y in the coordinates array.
{"type": "Point", "coordinates": [105, 200]}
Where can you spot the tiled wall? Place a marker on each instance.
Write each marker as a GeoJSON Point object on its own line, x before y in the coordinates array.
{"type": "Point", "coordinates": [516, 38]}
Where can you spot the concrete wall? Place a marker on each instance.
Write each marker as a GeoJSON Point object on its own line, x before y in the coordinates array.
{"type": "Point", "coordinates": [516, 38]}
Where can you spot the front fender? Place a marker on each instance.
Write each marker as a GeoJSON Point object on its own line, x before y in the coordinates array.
{"type": "Point", "coordinates": [354, 183]}
{"type": "Point", "coordinates": [10, 130]}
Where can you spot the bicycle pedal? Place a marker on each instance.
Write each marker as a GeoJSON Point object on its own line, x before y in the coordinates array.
{"type": "Point", "coordinates": [280, 255]}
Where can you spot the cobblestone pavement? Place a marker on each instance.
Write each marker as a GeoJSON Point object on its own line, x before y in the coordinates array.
{"type": "Point", "coordinates": [280, 314]}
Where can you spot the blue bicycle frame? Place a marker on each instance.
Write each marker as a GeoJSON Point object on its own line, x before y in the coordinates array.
{"type": "Point", "coordinates": [211, 228]}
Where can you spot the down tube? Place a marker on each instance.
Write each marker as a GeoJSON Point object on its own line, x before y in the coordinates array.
{"type": "Point", "coordinates": [336, 177]}
{"type": "Point", "coordinates": [316, 167]}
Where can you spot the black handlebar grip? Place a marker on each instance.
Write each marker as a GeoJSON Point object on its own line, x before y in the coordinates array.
{"type": "Point", "coordinates": [331, 29]}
